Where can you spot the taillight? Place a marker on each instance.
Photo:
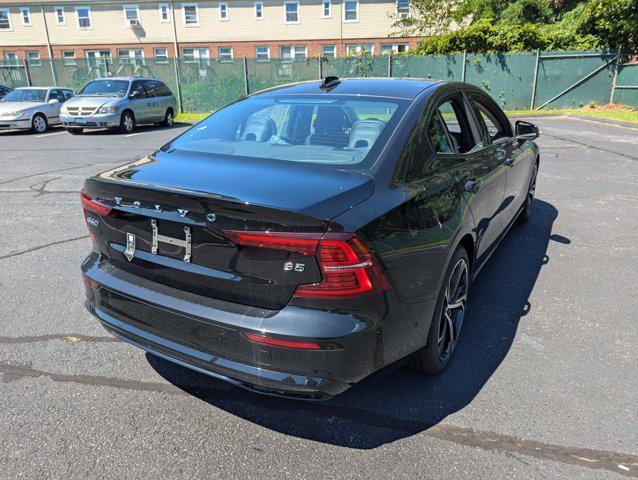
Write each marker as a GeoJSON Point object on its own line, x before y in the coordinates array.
{"type": "Point", "coordinates": [348, 268]}
{"type": "Point", "coordinates": [282, 343]}
{"type": "Point", "coordinates": [92, 204]}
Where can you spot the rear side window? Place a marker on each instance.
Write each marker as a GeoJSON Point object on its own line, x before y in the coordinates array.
{"type": "Point", "coordinates": [491, 128]}
{"type": "Point", "coordinates": [320, 129]}
{"type": "Point", "coordinates": [451, 114]}
{"type": "Point", "coordinates": [163, 90]}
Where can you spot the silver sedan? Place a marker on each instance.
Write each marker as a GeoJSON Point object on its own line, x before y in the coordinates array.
{"type": "Point", "coordinates": [35, 108]}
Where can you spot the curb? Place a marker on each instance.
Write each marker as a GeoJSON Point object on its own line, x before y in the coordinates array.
{"type": "Point", "coordinates": [591, 118]}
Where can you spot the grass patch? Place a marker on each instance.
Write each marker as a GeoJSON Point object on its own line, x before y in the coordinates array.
{"type": "Point", "coordinates": [190, 117]}
{"type": "Point", "coordinates": [613, 112]}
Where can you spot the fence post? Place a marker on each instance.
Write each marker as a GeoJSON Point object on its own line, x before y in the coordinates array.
{"type": "Point", "coordinates": [463, 70]}
{"type": "Point", "coordinates": [106, 67]}
{"type": "Point", "coordinates": [533, 101]}
{"type": "Point", "coordinates": [613, 85]}
{"type": "Point", "coordinates": [27, 73]}
{"type": "Point", "coordinates": [178, 84]}
{"type": "Point", "coordinates": [246, 91]}
{"type": "Point", "coordinates": [389, 65]}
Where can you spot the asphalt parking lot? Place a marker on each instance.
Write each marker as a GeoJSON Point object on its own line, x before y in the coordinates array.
{"type": "Point", "coordinates": [544, 385]}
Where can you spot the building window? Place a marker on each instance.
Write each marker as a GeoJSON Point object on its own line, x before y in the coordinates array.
{"type": "Point", "coordinates": [327, 8]}
{"type": "Point", "coordinates": [5, 19]}
{"type": "Point", "coordinates": [11, 58]}
{"type": "Point", "coordinates": [68, 57]}
{"type": "Point", "coordinates": [33, 58]}
{"type": "Point", "coordinates": [25, 13]}
{"type": "Point", "coordinates": [192, 55]}
{"type": "Point", "coordinates": [297, 52]}
{"type": "Point", "coordinates": [351, 11]}
{"type": "Point", "coordinates": [292, 12]}
{"type": "Point", "coordinates": [131, 56]}
{"type": "Point", "coordinates": [262, 54]}
{"type": "Point", "coordinates": [259, 10]}
{"type": "Point", "coordinates": [165, 12]}
{"type": "Point", "coordinates": [60, 16]}
{"type": "Point", "coordinates": [160, 55]}
{"type": "Point", "coordinates": [84, 17]}
{"type": "Point", "coordinates": [191, 14]}
{"type": "Point", "coordinates": [225, 54]}
{"type": "Point", "coordinates": [403, 8]}
{"type": "Point", "coordinates": [223, 12]}
{"type": "Point", "coordinates": [389, 48]}
{"type": "Point", "coordinates": [131, 15]}
{"type": "Point", "coordinates": [329, 51]}
{"type": "Point", "coordinates": [360, 48]}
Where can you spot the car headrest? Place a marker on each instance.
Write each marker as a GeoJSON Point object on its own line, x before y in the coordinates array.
{"type": "Point", "coordinates": [365, 132]}
{"type": "Point", "coordinates": [329, 119]}
{"type": "Point", "coordinates": [259, 129]}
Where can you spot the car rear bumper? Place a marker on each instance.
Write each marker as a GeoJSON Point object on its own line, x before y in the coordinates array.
{"type": "Point", "coordinates": [208, 335]}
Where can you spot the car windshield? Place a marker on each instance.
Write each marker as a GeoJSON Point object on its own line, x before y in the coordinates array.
{"type": "Point", "coordinates": [26, 95]}
{"type": "Point", "coordinates": [105, 88]}
{"type": "Point", "coordinates": [320, 129]}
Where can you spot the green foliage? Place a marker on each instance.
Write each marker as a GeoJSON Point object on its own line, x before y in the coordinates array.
{"type": "Point", "coordinates": [518, 25]}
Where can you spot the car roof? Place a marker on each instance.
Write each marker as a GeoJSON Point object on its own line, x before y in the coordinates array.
{"type": "Point", "coordinates": [128, 79]}
{"type": "Point", "coordinates": [402, 88]}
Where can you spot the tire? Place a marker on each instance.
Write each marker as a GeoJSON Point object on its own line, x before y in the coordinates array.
{"type": "Point", "coordinates": [127, 122]}
{"type": "Point", "coordinates": [439, 349]}
{"type": "Point", "coordinates": [39, 123]}
{"type": "Point", "coordinates": [75, 131]}
{"type": "Point", "coordinates": [526, 212]}
{"type": "Point", "coordinates": [169, 119]}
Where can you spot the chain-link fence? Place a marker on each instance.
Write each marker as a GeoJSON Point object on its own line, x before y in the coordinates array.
{"type": "Point", "coordinates": [527, 80]}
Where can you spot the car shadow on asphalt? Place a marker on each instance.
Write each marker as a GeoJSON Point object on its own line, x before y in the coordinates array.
{"type": "Point", "coordinates": [138, 129]}
{"type": "Point", "coordinates": [400, 402]}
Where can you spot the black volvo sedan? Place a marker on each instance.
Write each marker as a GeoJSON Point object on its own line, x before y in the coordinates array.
{"type": "Point", "coordinates": [303, 237]}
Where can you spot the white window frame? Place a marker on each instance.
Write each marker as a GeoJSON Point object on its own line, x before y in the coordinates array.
{"type": "Point", "coordinates": [358, 48]}
{"type": "Point", "coordinates": [334, 50]}
{"type": "Point", "coordinates": [33, 62]}
{"type": "Point", "coordinates": [14, 60]}
{"type": "Point", "coordinates": [225, 60]}
{"type": "Point", "coordinates": [291, 2]}
{"type": "Point", "coordinates": [125, 8]}
{"type": "Point", "coordinates": [394, 47]}
{"type": "Point", "coordinates": [223, 11]}
{"type": "Point", "coordinates": [196, 54]}
{"type": "Point", "coordinates": [261, 9]}
{"type": "Point", "coordinates": [69, 60]}
{"type": "Point", "coordinates": [401, 14]}
{"type": "Point", "coordinates": [56, 11]}
{"type": "Point", "coordinates": [356, 10]}
{"type": "Point", "coordinates": [26, 22]}
{"type": "Point", "coordinates": [267, 53]}
{"type": "Point", "coordinates": [130, 55]}
{"type": "Point", "coordinates": [7, 12]}
{"type": "Point", "coordinates": [293, 52]}
{"type": "Point", "coordinates": [90, 17]}
{"type": "Point", "coordinates": [323, 8]}
{"type": "Point", "coordinates": [162, 58]}
{"type": "Point", "coordinates": [191, 25]}
{"type": "Point", "coordinates": [168, 12]}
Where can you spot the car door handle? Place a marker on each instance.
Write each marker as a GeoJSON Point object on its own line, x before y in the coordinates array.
{"type": "Point", "coordinates": [471, 186]}
{"type": "Point", "coordinates": [509, 160]}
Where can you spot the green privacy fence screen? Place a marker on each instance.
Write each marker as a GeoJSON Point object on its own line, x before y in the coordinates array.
{"type": "Point", "coordinates": [537, 80]}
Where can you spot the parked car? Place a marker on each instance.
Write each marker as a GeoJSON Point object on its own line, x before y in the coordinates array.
{"type": "Point", "coordinates": [4, 90]}
{"type": "Point", "coordinates": [34, 108]}
{"type": "Point", "coordinates": [298, 240]}
{"type": "Point", "coordinates": [120, 103]}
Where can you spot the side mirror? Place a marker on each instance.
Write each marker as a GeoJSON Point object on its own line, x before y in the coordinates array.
{"type": "Point", "coordinates": [53, 101]}
{"type": "Point", "coordinates": [134, 94]}
{"type": "Point", "coordinates": [526, 131]}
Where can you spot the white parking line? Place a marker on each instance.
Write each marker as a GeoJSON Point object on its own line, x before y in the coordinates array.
{"type": "Point", "coordinates": [133, 134]}
{"type": "Point", "coordinates": [50, 134]}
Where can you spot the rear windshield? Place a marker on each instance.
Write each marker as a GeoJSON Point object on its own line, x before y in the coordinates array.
{"type": "Point", "coordinates": [26, 95]}
{"type": "Point", "coordinates": [318, 129]}
{"type": "Point", "coordinates": [106, 88]}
